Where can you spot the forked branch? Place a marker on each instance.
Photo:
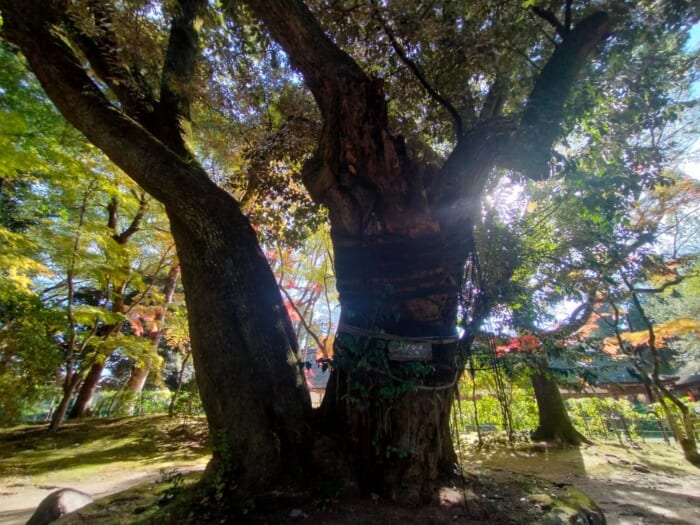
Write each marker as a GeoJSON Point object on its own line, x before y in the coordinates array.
{"type": "Point", "coordinates": [322, 63]}
{"type": "Point", "coordinates": [544, 113]}
{"type": "Point", "coordinates": [418, 73]}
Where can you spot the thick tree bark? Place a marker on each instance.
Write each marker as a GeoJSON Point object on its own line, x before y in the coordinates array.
{"type": "Point", "coordinates": [243, 349]}
{"type": "Point", "coordinates": [254, 395]}
{"type": "Point", "coordinates": [397, 412]}
{"type": "Point", "coordinates": [554, 423]}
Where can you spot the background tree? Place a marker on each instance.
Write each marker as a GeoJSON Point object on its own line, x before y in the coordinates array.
{"type": "Point", "coordinates": [155, 329]}
{"type": "Point", "coordinates": [617, 202]}
{"type": "Point", "coordinates": [80, 230]}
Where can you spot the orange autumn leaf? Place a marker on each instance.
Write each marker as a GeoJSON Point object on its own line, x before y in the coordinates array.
{"type": "Point", "coordinates": [663, 332]}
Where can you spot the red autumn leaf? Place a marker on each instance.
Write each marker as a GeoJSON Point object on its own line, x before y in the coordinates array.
{"type": "Point", "coordinates": [293, 315]}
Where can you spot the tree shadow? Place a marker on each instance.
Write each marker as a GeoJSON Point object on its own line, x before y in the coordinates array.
{"type": "Point", "coordinates": [624, 501]}
{"type": "Point", "coordinates": [626, 482]}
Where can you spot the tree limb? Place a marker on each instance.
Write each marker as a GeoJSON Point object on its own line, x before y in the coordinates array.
{"type": "Point", "coordinates": [567, 15]}
{"type": "Point", "coordinates": [542, 119]}
{"type": "Point", "coordinates": [525, 147]}
{"type": "Point", "coordinates": [465, 171]}
{"type": "Point", "coordinates": [178, 71]}
{"type": "Point", "coordinates": [495, 99]}
{"type": "Point", "coordinates": [101, 50]}
{"type": "Point", "coordinates": [658, 289]}
{"type": "Point", "coordinates": [135, 225]}
{"type": "Point", "coordinates": [578, 318]}
{"type": "Point", "coordinates": [322, 63]}
{"type": "Point", "coordinates": [549, 17]}
{"type": "Point", "coordinates": [133, 148]}
{"type": "Point", "coordinates": [418, 73]}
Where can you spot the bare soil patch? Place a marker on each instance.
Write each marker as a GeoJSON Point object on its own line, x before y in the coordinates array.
{"type": "Point", "coordinates": [634, 484]}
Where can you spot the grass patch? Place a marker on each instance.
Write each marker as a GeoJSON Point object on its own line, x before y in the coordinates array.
{"type": "Point", "coordinates": [84, 448]}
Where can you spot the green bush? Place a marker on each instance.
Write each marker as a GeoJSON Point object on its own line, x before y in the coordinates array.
{"type": "Point", "coordinates": [188, 403]}
{"type": "Point", "coordinates": [604, 418]}
{"type": "Point", "coordinates": [521, 404]}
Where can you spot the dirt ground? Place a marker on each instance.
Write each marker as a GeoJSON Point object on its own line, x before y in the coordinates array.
{"type": "Point", "coordinates": [643, 484]}
{"type": "Point", "coordinates": [649, 484]}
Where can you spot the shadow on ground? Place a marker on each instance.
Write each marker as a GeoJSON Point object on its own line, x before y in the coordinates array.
{"type": "Point", "coordinates": [34, 450]}
{"type": "Point", "coordinates": [633, 484]}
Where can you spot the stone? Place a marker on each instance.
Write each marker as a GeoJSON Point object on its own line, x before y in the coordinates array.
{"type": "Point", "coordinates": [57, 504]}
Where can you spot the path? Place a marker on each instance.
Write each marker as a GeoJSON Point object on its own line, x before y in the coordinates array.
{"type": "Point", "coordinates": [19, 497]}
{"type": "Point", "coordinates": [652, 485]}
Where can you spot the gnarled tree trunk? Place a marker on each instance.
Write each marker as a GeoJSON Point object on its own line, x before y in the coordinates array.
{"type": "Point", "coordinates": [401, 240]}
{"type": "Point", "coordinates": [398, 295]}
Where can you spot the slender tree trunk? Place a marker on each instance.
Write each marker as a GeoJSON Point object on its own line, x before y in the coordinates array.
{"type": "Point", "coordinates": [134, 386]}
{"type": "Point", "coordinates": [83, 402]}
{"type": "Point", "coordinates": [69, 389]}
{"type": "Point", "coordinates": [140, 371]}
{"type": "Point", "coordinates": [683, 430]}
{"type": "Point", "coordinates": [60, 412]}
{"type": "Point", "coordinates": [554, 423]}
{"type": "Point", "coordinates": [180, 378]}
{"type": "Point", "coordinates": [87, 390]}
{"type": "Point", "coordinates": [73, 377]}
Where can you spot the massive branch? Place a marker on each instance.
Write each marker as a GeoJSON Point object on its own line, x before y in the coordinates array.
{"type": "Point", "coordinates": [100, 47]}
{"type": "Point", "coordinates": [32, 27]}
{"type": "Point", "coordinates": [546, 108]}
{"type": "Point", "coordinates": [524, 146]}
{"type": "Point", "coordinates": [322, 63]}
{"type": "Point", "coordinates": [358, 170]}
{"type": "Point", "coordinates": [178, 72]}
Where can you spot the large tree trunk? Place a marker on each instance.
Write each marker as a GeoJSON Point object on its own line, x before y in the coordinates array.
{"type": "Point", "coordinates": [554, 423]}
{"type": "Point", "coordinates": [401, 235]}
{"type": "Point", "coordinates": [244, 351]}
{"type": "Point", "coordinates": [395, 407]}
